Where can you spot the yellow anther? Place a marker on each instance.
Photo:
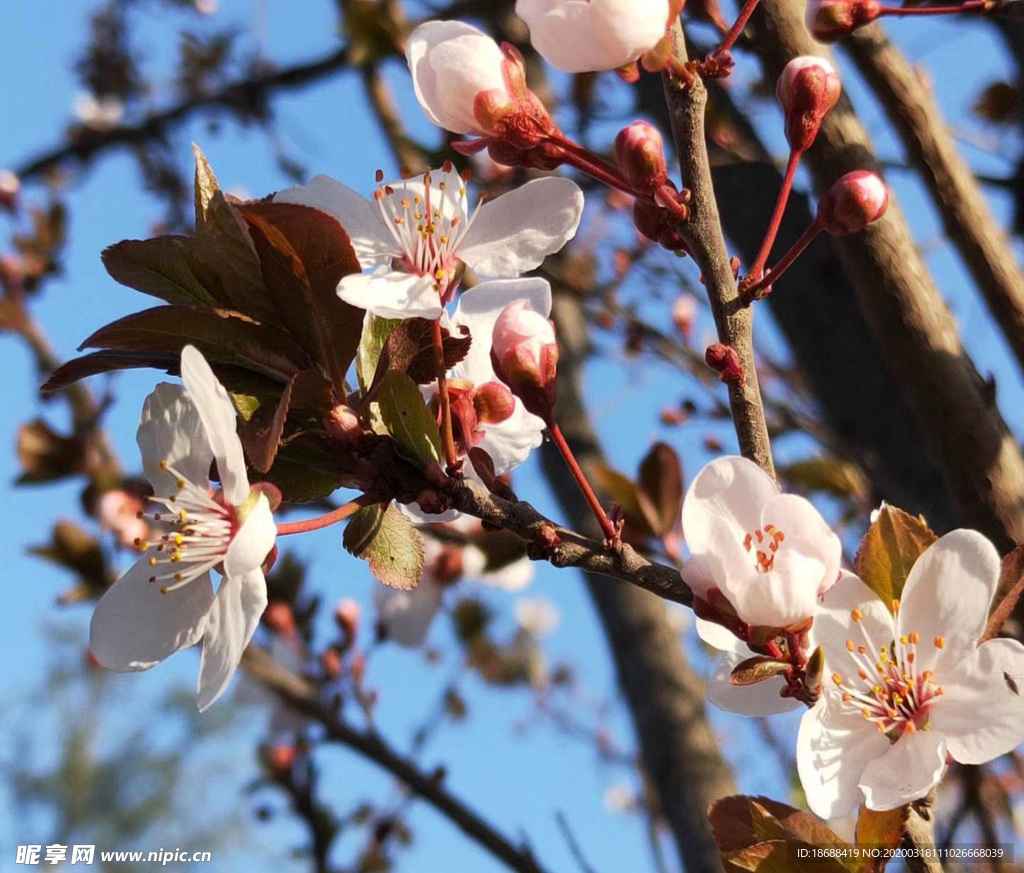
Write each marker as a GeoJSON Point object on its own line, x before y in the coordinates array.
{"type": "Point", "coordinates": [895, 604]}
{"type": "Point", "coordinates": [850, 646]}
{"type": "Point", "coordinates": [940, 642]}
{"type": "Point", "coordinates": [856, 614]}
{"type": "Point", "coordinates": [152, 562]}
{"type": "Point", "coordinates": [837, 678]}
{"type": "Point", "coordinates": [914, 637]}
{"type": "Point", "coordinates": [903, 640]}
{"type": "Point", "coordinates": [163, 589]}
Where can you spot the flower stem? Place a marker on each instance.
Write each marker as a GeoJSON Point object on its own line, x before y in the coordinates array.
{"type": "Point", "coordinates": [595, 166]}
{"type": "Point", "coordinates": [737, 27]}
{"type": "Point", "coordinates": [321, 521]}
{"type": "Point", "coordinates": [757, 268]}
{"type": "Point", "coordinates": [969, 6]}
{"type": "Point", "coordinates": [775, 272]}
{"type": "Point", "coordinates": [451, 457]}
{"type": "Point", "coordinates": [595, 505]}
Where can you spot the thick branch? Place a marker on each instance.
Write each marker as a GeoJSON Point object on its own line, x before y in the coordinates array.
{"type": "Point", "coordinates": [980, 460]}
{"type": "Point", "coordinates": [573, 550]}
{"type": "Point", "coordinates": [931, 149]}
{"type": "Point", "coordinates": [302, 697]}
{"type": "Point", "coordinates": [703, 231]}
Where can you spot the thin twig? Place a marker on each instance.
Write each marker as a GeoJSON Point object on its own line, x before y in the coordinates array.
{"type": "Point", "coordinates": [302, 696]}
{"type": "Point", "coordinates": [574, 846]}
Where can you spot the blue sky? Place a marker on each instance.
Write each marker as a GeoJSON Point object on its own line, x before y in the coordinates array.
{"type": "Point", "coordinates": [518, 781]}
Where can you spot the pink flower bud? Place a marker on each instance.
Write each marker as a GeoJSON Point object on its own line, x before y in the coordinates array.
{"type": "Point", "coordinates": [808, 89]}
{"type": "Point", "coordinates": [330, 661]}
{"type": "Point", "coordinates": [852, 203]}
{"type": "Point", "coordinates": [280, 757]}
{"type": "Point", "coordinates": [10, 185]}
{"type": "Point", "coordinates": [468, 84]}
{"type": "Point", "coordinates": [525, 356]}
{"type": "Point", "coordinates": [684, 311]}
{"type": "Point", "coordinates": [658, 225]}
{"type": "Point", "coordinates": [347, 615]}
{"type": "Point", "coordinates": [640, 154]}
{"type": "Point", "coordinates": [830, 20]}
{"type": "Point", "coordinates": [725, 361]}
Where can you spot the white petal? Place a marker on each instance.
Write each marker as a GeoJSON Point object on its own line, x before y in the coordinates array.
{"type": "Point", "coordinates": [361, 218]}
{"type": "Point", "coordinates": [218, 415]}
{"type": "Point", "coordinates": [515, 232]}
{"type": "Point", "coordinates": [834, 624]}
{"type": "Point", "coordinates": [391, 294]}
{"type": "Point", "coordinates": [252, 543]}
{"type": "Point", "coordinates": [981, 711]}
{"type": "Point", "coordinates": [948, 593]}
{"type": "Point", "coordinates": [807, 532]}
{"type": "Point", "coordinates": [405, 616]}
{"type": "Point", "coordinates": [761, 698]}
{"type": "Point", "coordinates": [722, 639]}
{"type": "Point", "coordinates": [511, 441]}
{"type": "Point", "coordinates": [512, 577]}
{"type": "Point", "coordinates": [134, 626]}
{"type": "Point", "coordinates": [731, 489]}
{"type": "Point", "coordinates": [478, 310]}
{"type": "Point", "coordinates": [698, 574]}
{"type": "Point", "coordinates": [781, 597]}
{"type": "Point", "coordinates": [833, 748]}
{"type": "Point", "coordinates": [232, 622]}
{"type": "Point", "coordinates": [171, 430]}
{"type": "Point", "coordinates": [909, 770]}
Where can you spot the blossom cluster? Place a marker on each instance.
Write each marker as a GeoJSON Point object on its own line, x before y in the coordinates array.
{"type": "Point", "coordinates": [907, 686]}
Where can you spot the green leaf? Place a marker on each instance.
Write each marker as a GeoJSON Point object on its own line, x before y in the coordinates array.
{"type": "Point", "coordinates": [660, 487]}
{"type": "Point", "coordinates": [757, 669]}
{"type": "Point", "coordinates": [303, 254]}
{"type": "Point", "coordinates": [409, 348]}
{"type": "Point", "coordinates": [389, 543]}
{"type": "Point", "coordinates": [893, 542]}
{"type": "Point", "coordinates": [304, 470]}
{"type": "Point", "coordinates": [163, 267]}
{"type": "Point", "coordinates": [406, 417]}
{"type": "Point", "coordinates": [829, 475]}
{"type": "Point", "coordinates": [376, 330]}
{"type": "Point", "coordinates": [221, 335]}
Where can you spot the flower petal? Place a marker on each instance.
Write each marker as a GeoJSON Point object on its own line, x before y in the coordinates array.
{"type": "Point", "coordinates": [834, 624]}
{"type": "Point", "coordinates": [782, 597]}
{"type": "Point", "coordinates": [252, 543]}
{"type": "Point", "coordinates": [948, 593]}
{"type": "Point", "coordinates": [391, 294]}
{"type": "Point", "coordinates": [511, 441]}
{"type": "Point", "coordinates": [371, 240]}
{"type": "Point", "coordinates": [806, 532]}
{"type": "Point", "coordinates": [981, 710]}
{"type": "Point", "coordinates": [218, 415]}
{"type": "Point", "coordinates": [761, 698]}
{"type": "Point", "coordinates": [732, 489]}
{"type": "Point", "coordinates": [833, 748]}
{"type": "Point", "coordinates": [135, 626]}
{"type": "Point", "coordinates": [515, 232]}
{"type": "Point", "coordinates": [909, 770]}
{"type": "Point", "coordinates": [722, 639]}
{"type": "Point", "coordinates": [698, 574]}
{"type": "Point", "coordinates": [405, 616]}
{"type": "Point", "coordinates": [232, 622]}
{"type": "Point", "coordinates": [171, 431]}
{"type": "Point", "coordinates": [478, 309]}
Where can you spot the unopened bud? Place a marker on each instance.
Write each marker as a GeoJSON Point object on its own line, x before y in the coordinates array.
{"type": "Point", "coordinates": [330, 661]}
{"type": "Point", "coordinates": [725, 361]}
{"type": "Point", "coordinates": [280, 757]}
{"type": "Point", "coordinates": [346, 615]}
{"type": "Point", "coordinates": [493, 403]}
{"type": "Point", "coordinates": [814, 671]}
{"type": "Point", "coordinates": [852, 203]}
{"type": "Point", "coordinates": [807, 90]}
{"type": "Point", "coordinates": [658, 225]}
{"type": "Point", "coordinates": [830, 20]}
{"type": "Point", "coordinates": [343, 424]}
{"type": "Point", "coordinates": [640, 154]}
{"type": "Point", "coordinates": [10, 185]}
{"type": "Point", "coordinates": [684, 311]}
{"type": "Point", "coordinates": [525, 356]}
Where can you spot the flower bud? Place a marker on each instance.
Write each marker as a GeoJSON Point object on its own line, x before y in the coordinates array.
{"type": "Point", "coordinates": [468, 84]}
{"type": "Point", "coordinates": [658, 225]}
{"type": "Point", "coordinates": [830, 20]}
{"type": "Point", "coordinates": [346, 615]}
{"type": "Point", "coordinates": [525, 356]}
{"type": "Point", "coordinates": [10, 185]}
{"type": "Point", "coordinates": [725, 361]}
{"type": "Point", "coordinates": [808, 89]}
{"type": "Point", "coordinates": [280, 757]}
{"type": "Point", "coordinates": [852, 203]}
{"type": "Point", "coordinates": [640, 154]}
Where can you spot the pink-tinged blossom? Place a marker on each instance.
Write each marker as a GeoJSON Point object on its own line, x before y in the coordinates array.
{"type": "Point", "coordinates": [904, 692]}
{"type": "Point", "coordinates": [640, 154]}
{"type": "Point", "coordinates": [852, 203]}
{"type": "Point", "coordinates": [807, 90]}
{"type": "Point", "coordinates": [166, 601]}
{"type": "Point", "coordinates": [581, 36]}
{"type": "Point", "coordinates": [770, 554]}
{"type": "Point", "coordinates": [525, 356]}
{"type": "Point", "coordinates": [416, 234]}
{"type": "Point", "coordinates": [830, 20]}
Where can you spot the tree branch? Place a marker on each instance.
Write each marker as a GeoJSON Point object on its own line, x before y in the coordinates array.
{"type": "Point", "coordinates": [301, 696]}
{"type": "Point", "coordinates": [703, 233]}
